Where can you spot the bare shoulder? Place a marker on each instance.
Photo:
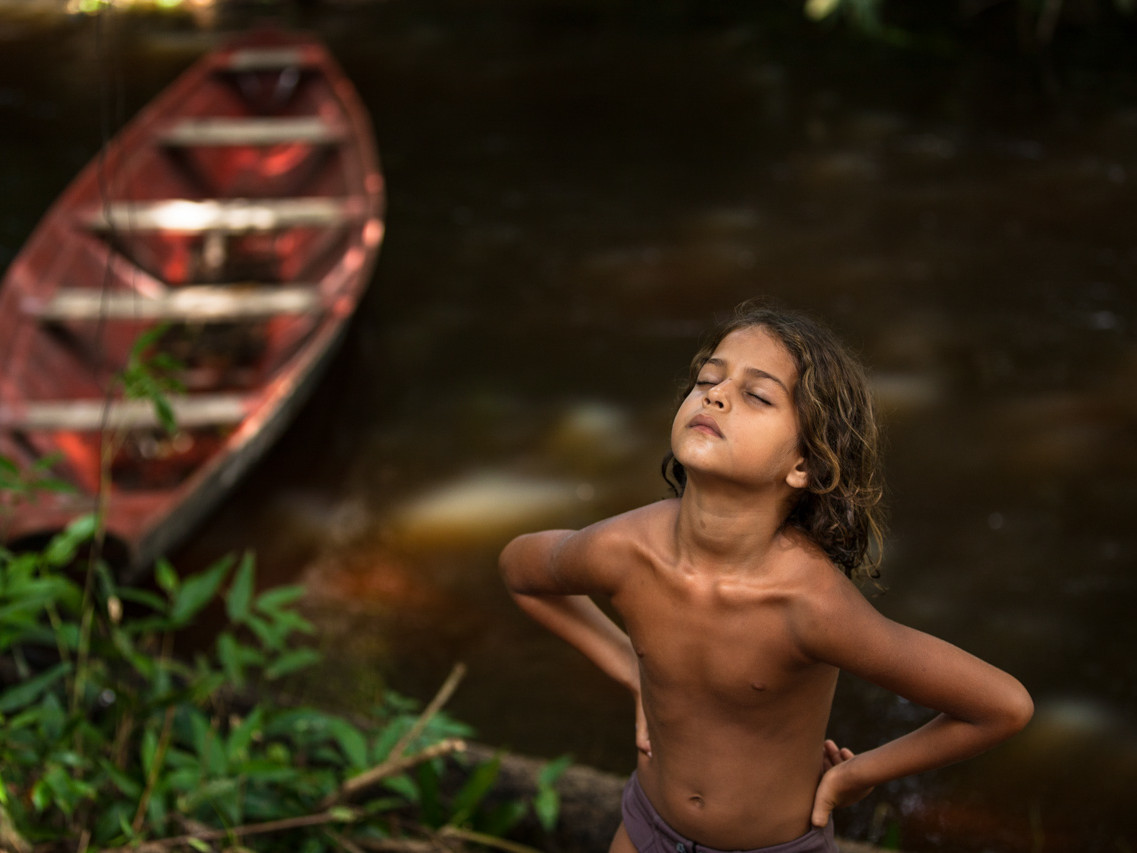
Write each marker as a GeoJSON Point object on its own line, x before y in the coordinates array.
{"type": "Point", "coordinates": [621, 537]}
{"type": "Point", "coordinates": [595, 559]}
{"type": "Point", "coordinates": [825, 607]}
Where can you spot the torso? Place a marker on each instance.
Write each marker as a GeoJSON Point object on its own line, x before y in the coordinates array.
{"type": "Point", "coordinates": [736, 712]}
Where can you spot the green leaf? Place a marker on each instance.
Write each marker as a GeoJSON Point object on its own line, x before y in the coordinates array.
{"type": "Point", "coordinates": [183, 780]}
{"type": "Point", "coordinates": [165, 575]}
{"type": "Point", "coordinates": [267, 771]}
{"type": "Point", "coordinates": [148, 750]}
{"type": "Point", "coordinates": [274, 599]}
{"type": "Point", "coordinates": [197, 591]}
{"type": "Point", "coordinates": [165, 412]}
{"type": "Point", "coordinates": [67, 636]}
{"type": "Point", "coordinates": [63, 547]}
{"type": "Point", "coordinates": [350, 740]}
{"type": "Point", "coordinates": [547, 803]}
{"type": "Point", "coordinates": [241, 592]}
{"type": "Point", "coordinates": [212, 755]}
{"type": "Point", "coordinates": [29, 691]}
{"type": "Point", "coordinates": [430, 794]}
{"type": "Point", "coordinates": [553, 771]}
{"type": "Point", "coordinates": [219, 793]}
{"type": "Point", "coordinates": [66, 790]}
{"type": "Point", "coordinates": [198, 725]}
{"type": "Point", "coordinates": [113, 824]}
{"type": "Point", "coordinates": [471, 794]}
{"type": "Point", "coordinates": [241, 737]}
{"type": "Point", "coordinates": [41, 794]}
{"type": "Point", "coordinates": [389, 735]}
{"type": "Point", "coordinates": [52, 717]}
{"type": "Point", "coordinates": [157, 809]}
{"type": "Point", "coordinates": [126, 785]}
{"type": "Point", "coordinates": [229, 654]}
{"type": "Point", "coordinates": [547, 806]}
{"type": "Point", "coordinates": [83, 527]}
{"type": "Point", "coordinates": [292, 661]}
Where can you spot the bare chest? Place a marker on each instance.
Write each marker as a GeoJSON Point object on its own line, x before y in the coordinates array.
{"type": "Point", "coordinates": [735, 646]}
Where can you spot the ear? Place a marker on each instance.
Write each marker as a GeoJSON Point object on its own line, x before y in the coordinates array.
{"type": "Point", "coordinates": [798, 478]}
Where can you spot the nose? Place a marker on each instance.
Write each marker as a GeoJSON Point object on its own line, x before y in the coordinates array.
{"type": "Point", "coordinates": [716, 395]}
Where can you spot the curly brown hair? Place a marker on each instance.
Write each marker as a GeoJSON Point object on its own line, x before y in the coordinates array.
{"type": "Point", "coordinates": [841, 509]}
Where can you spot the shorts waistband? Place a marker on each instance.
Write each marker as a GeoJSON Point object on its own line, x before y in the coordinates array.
{"type": "Point", "coordinates": [650, 833]}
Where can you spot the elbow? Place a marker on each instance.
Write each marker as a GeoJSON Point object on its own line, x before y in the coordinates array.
{"type": "Point", "coordinates": [1023, 710]}
{"type": "Point", "coordinates": [515, 565]}
{"type": "Point", "coordinates": [507, 565]}
{"type": "Point", "coordinates": [1017, 710]}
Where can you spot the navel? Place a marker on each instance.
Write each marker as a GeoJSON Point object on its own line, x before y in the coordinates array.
{"type": "Point", "coordinates": [696, 801]}
{"type": "Point", "coordinates": [757, 685]}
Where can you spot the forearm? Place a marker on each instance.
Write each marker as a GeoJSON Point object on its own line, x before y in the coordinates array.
{"type": "Point", "coordinates": [945, 740]}
{"type": "Point", "coordinates": [580, 621]}
{"type": "Point", "coordinates": [942, 741]}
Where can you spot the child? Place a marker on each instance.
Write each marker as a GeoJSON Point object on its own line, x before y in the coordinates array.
{"type": "Point", "coordinates": [739, 608]}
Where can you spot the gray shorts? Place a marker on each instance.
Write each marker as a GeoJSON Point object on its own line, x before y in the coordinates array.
{"type": "Point", "coordinates": [651, 834]}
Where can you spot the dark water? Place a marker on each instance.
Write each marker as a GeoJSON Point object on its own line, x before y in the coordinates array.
{"type": "Point", "coordinates": [576, 190]}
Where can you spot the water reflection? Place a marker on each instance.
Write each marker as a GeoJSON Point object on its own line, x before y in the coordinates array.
{"type": "Point", "coordinates": [573, 195]}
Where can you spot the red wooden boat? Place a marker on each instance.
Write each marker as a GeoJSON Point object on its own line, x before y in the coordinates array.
{"type": "Point", "coordinates": [242, 212]}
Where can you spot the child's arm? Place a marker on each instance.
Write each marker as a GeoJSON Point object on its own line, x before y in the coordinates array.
{"type": "Point", "coordinates": [549, 575]}
{"type": "Point", "coordinates": [979, 704]}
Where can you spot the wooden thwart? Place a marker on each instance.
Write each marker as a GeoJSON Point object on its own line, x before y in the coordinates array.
{"type": "Point", "coordinates": [311, 130]}
{"type": "Point", "coordinates": [268, 59]}
{"type": "Point", "coordinates": [234, 217]}
{"type": "Point", "coordinates": [192, 302]}
{"type": "Point", "coordinates": [88, 415]}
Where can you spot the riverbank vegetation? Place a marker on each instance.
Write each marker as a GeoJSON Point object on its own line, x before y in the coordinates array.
{"type": "Point", "coordinates": [114, 737]}
{"type": "Point", "coordinates": [110, 739]}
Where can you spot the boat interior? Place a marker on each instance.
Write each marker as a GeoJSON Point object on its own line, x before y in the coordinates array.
{"type": "Point", "coordinates": [229, 213]}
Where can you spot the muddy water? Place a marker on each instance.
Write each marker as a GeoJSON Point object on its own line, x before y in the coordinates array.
{"type": "Point", "coordinates": [575, 191]}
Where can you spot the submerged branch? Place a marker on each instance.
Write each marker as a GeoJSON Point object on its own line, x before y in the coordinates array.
{"type": "Point", "coordinates": [392, 767]}
{"type": "Point", "coordinates": [440, 698]}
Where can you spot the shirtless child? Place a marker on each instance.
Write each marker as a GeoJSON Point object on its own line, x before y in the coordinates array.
{"type": "Point", "coordinates": [739, 608]}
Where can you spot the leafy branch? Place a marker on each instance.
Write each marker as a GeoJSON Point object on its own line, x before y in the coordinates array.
{"type": "Point", "coordinates": [141, 748]}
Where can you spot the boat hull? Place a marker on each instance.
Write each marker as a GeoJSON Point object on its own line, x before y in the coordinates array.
{"type": "Point", "coordinates": [221, 243]}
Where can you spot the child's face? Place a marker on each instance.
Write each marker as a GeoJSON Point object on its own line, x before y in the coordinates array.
{"type": "Point", "coordinates": [739, 422]}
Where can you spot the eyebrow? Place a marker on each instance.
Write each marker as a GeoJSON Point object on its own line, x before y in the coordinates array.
{"type": "Point", "coordinates": [750, 371]}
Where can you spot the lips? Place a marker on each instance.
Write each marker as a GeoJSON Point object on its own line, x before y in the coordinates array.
{"type": "Point", "coordinates": [705, 423]}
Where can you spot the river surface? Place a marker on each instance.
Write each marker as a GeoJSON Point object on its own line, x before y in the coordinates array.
{"type": "Point", "coordinates": [576, 190]}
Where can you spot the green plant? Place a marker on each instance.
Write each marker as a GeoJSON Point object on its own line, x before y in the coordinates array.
{"type": "Point", "coordinates": [109, 738]}
{"type": "Point", "coordinates": [18, 485]}
{"type": "Point", "coordinates": [151, 374]}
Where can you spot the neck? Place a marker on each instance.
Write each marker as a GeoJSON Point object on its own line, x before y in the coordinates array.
{"type": "Point", "coordinates": [728, 528]}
